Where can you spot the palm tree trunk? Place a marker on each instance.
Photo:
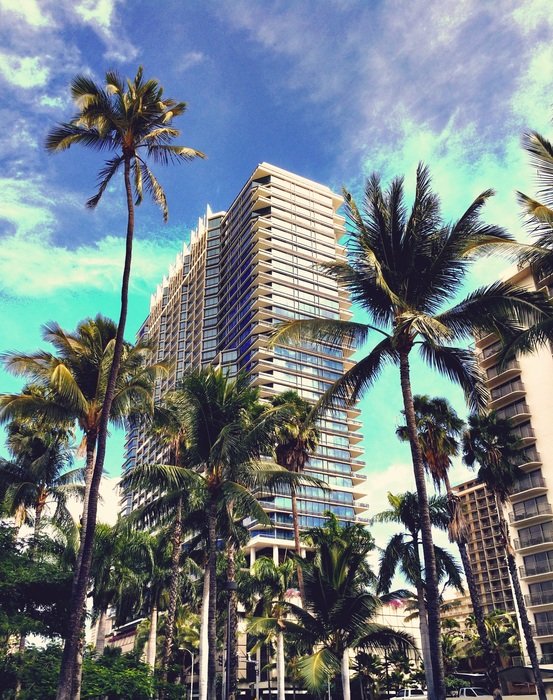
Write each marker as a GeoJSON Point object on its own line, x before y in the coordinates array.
{"type": "Point", "coordinates": [281, 664]}
{"type": "Point", "coordinates": [152, 638]}
{"type": "Point", "coordinates": [212, 617]}
{"type": "Point", "coordinates": [523, 613]}
{"type": "Point", "coordinates": [173, 591]}
{"type": "Point", "coordinates": [101, 633]}
{"type": "Point", "coordinates": [232, 663]}
{"type": "Point", "coordinates": [431, 577]}
{"type": "Point", "coordinates": [204, 638]}
{"type": "Point", "coordinates": [82, 573]}
{"type": "Point", "coordinates": [346, 691]}
{"type": "Point", "coordinates": [77, 680]}
{"type": "Point", "coordinates": [297, 542]}
{"type": "Point", "coordinates": [425, 641]}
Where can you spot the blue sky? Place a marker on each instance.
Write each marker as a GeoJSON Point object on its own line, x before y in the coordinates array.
{"type": "Point", "coordinates": [330, 89]}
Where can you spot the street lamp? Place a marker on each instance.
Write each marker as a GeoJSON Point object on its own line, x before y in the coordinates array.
{"type": "Point", "coordinates": [230, 587]}
{"type": "Point", "coordinates": [191, 671]}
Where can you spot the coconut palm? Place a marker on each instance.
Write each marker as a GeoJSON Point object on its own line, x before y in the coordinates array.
{"type": "Point", "coordinates": [439, 429]}
{"type": "Point", "coordinates": [403, 553]}
{"type": "Point", "coordinates": [490, 443]}
{"type": "Point", "coordinates": [339, 614]}
{"type": "Point", "coordinates": [39, 473]}
{"type": "Point", "coordinates": [403, 269]}
{"type": "Point", "coordinates": [134, 122]}
{"type": "Point", "coordinates": [274, 585]}
{"type": "Point", "coordinates": [502, 632]}
{"type": "Point", "coordinates": [297, 438]}
{"type": "Point", "coordinates": [227, 430]}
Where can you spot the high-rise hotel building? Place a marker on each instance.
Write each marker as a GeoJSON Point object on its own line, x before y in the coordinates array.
{"type": "Point", "coordinates": [245, 270]}
{"type": "Point", "coordinates": [522, 391]}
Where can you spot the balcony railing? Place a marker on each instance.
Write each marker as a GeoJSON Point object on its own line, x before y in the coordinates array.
{"type": "Point", "coordinates": [539, 598]}
{"type": "Point", "coordinates": [530, 512]}
{"type": "Point", "coordinates": [546, 659]}
{"type": "Point", "coordinates": [523, 431]}
{"type": "Point", "coordinates": [506, 389]}
{"type": "Point", "coordinates": [542, 538]}
{"type": "Point", "coordinates": [516, 409]}
{"type": "Point", "coordinates": [530, 455]}
{"type": "Point", "coordinates": [492, 349]}
{"type": "Point", "coordinates": [545, 567]}
{"type": "Point", "coordinates": [544, 629]}
{"type": "Point", "coordinates": [496, 370]}
{"type": "Point", "coordinates": [533, 482]}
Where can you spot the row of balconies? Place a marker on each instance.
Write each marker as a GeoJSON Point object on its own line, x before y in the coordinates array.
{"type": "Point", "coordinates": [530, 513]}
{"type": "Point", "coordinates": [533, 540]}
{"type": "Point", "coordinates": [539, 598]}
{"type": "Point", "coordinates": [545, 567]}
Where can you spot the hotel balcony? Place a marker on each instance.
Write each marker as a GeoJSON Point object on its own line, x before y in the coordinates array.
{"type": "Point", "coordinates": [544, 629]}
{"type": "Point", "coordinates": [536, 515]}
{"type": "Point", "coordinates": [525, 433]}
{"type": "Point", "coordinates": [535, 541]}
{"type": "Point", "coordinates": [516, 412]}
{"type": "Point", "coordinates": [502, 395]}
{"type": "Point", "coordinates": [541, 598]}
{"type": "Point", "coordinates": [529, 486]}
{"type": "Point", "coordinates": [536, 569]}
{"type": "Point", "coordinates": [496, 374]}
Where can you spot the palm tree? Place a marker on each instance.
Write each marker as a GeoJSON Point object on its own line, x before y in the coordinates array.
{"type": "Point", "coordinates": [439, 429]}
{"type": "Point", "coordinates": [403, 269]}
{"type": "Point", "coordinates": [133, 121]}
{"type": "Point", "coordinates": [490, 442]}
{"type": "Point", "coordinates": [403, 552]}
{"type": "Point", "coordinates": [502, 632]}
{"type": "Point", "coordinates": [297, 438]}
{"type": "Point", "coordinates": [273, 583]}
{"type": "Point", "coordinates": [339, 614]}
{"type": "Point", "coordinates": [39, 473]}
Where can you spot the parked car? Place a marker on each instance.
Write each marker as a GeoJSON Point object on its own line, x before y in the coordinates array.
{"type": "Point", "coordinates": [415, 693]}
{"type": "Point", "coordinates": [473, 692]}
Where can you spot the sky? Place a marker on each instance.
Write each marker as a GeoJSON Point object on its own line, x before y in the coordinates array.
{"type": "Point", "coordinates": [330, 89]}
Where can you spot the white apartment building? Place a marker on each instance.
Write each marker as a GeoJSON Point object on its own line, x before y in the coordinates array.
{"type": "Point", "coordinates": [523, 392]}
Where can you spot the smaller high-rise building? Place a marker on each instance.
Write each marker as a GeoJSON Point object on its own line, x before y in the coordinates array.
{"type": "Point", "coordinates": [485, 548]}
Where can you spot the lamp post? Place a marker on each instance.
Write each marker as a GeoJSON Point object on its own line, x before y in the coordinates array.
{"type": "Point", "coordinates": [230, 587]}
{"type": "Point", "coordinates": [191, 671]}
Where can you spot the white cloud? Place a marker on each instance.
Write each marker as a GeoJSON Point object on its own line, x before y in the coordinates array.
{"type": "Point", "coordinates": [28, 11]}
{"type": "Point", "coordinates": [23, 71]}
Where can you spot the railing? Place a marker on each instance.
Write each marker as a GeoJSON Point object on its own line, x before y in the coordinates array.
{"type": "Point", "coordinates": [528, 483]}
{"type": "Point", "coordinates": [541, 598]}
{"type": "Point", "coordinates": [544, 629]}
{"type": "Point", "coordinates": [530, 513]}
{"type": "Point", "coordinates": [542, 538]}
{"type": "Point", "coordinates": [492, 349]}
{"type": "Point", "coordinates": [505, 389]}
{"type": "Point", "coordinates": [530, 455]}
{"type": "Point", "coordinates": [535, 569]}
{"type": "Point", "coordinates": [523, 431]}
{"type": "Point", "coordinates": [546, 659]}
{"type": "Point", "coordinates": [496, 370]}
{"type": "Point", "coordinates": [516, 409]}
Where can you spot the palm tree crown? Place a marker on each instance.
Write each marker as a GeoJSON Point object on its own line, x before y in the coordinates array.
{"type": "Point", "coordinates": [134, 121]}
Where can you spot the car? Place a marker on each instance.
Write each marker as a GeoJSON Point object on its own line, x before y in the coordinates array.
{"type": "Point", "coordinates": [415, 693]}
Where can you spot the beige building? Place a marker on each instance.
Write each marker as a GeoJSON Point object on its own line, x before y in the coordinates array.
{"type": "Point", "coordinates": [244, 271]}
{"type": "Point", "coordinates": [523, 392]}
{"type": "Point", "coordinates": [485, 548]}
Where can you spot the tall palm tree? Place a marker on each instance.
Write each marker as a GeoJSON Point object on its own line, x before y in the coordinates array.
{"type": "Point", "coordinates": [403, 269]}
{"type": "Point", "coordinates": [227, 431]}
{"type": "Point", "coordinates": [297, 438]}
{"type": "Point", "coordinates": [403, 552]}
{"type": "Point", "coordinates": [489, 441]}
{"type": "Point", "coordinates": [274, 584]}
{"type": "Point", "coordinates": [135, 122]}
{"type": "Point", "coordinates": [39, 473]}
{"type": "Point", "coordinates": [339, 615]}
{"type": "Point", "coordinates": [439, 429]}
{"type": "Point", "coordinates": [70, 386]}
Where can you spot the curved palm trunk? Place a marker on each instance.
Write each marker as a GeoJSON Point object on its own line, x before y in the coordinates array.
{"type": "Point", "coordinates": [204, 639]}
{"type": "Point", "coordinates": [425, 640]}
{"type": "Point", "coordinates": [152, 638]}
{"type": "Point", "coordinates": [297, 542]}
{"type": "Point", "coordinates": [212, 607]}
{"type": "Point", "coordinates": [346, 690]}
{"type": "Point", "coordinates": [232, 663]}
{"type": "Point", "coordinates": [523, 613]}
{"type": "Point", "coordinates": [281, 666]}
{"type": "Point", "coordinates": [101, 633]}
{"type": "Point", "coordinates": [431, 578]}
{"type": "Point", "coordinates": [82, 573]}
{"type": "Point", "coordinates": [176, 542]}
